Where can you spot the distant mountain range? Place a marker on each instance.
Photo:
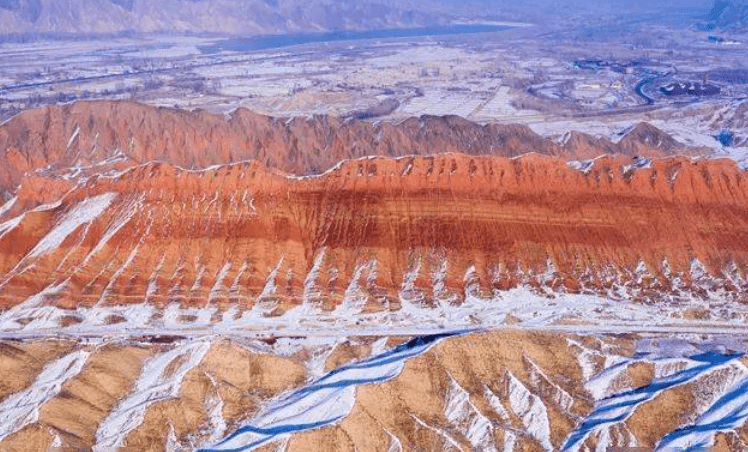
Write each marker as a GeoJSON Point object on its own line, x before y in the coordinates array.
{"type": "Point", "coordinates": [727, 14]}
{"type": "Point", "coordinates": [252, 17]}
{"type": "Point", "coordinates": [216, 16]}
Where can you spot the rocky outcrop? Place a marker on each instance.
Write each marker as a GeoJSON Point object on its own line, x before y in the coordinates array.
{"type": "Point", "coordinates": [87, 138]}
{"type": "Point", "coordinates": [427, 228]}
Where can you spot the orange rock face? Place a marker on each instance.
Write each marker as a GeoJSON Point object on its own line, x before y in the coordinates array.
{"type": "Point", "coordinates": [435, 228]}
{"type": "Point", "coordinates": [95, 136]}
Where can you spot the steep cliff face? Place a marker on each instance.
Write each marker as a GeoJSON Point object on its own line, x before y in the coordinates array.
{"type": "Point", "coordinates": [423, 228]}
{"type": "Point", "coordinates": [93, 137]}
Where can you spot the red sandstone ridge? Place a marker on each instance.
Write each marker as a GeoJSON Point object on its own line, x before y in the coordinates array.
{"type": "Point", "coordinates": [93, 136]}
{"type": "Point", "coordinates": [243, 233]}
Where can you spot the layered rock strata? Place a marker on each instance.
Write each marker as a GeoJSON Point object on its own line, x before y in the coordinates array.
{"type": "Point", "coordinates": [431, 229]}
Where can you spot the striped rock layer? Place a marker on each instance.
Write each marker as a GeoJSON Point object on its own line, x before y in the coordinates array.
{"type": "Point", "coordinates": [424, 228]}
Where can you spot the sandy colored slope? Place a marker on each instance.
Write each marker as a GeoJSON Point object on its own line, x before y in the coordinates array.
{"type": "Point", "coordinates": [484, 391]}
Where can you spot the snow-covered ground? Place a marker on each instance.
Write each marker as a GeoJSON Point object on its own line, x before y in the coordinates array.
{"type": "Point", "coordinates": [707, 362]}
{"type": "Point", "coordinates": [517, 308]}
{"type": "Point", "coordinates": [520, 308]}
{"type": "Point", "coordinates": [678, 361]}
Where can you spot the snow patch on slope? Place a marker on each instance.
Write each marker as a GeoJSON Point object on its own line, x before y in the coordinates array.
{"type": "Point", "coordinates": [22, 409]}
{"type": "Point", "coordinates": [449, 440]}
{"type": "Point", "coordinates": [86, 211]}
{"type": "Point", "coordinates": [119, 222]}
{"type": "Point", "coordinates": [538, 378]}
{"type": "Point", "coordinates": [8, 205]}
{"type": "Point", "coordinates": [270, 284]}
{"type": "Point", "coordinates": [310, 282]}
{"type": "Point", "coordinates": [617, 408]}
{"type": "Point", "coordinates": [218, 288]}
{"type": "Point", "coordinates": [9, 225]}
{"type": "Point", "coordinates": [585, 358]}
{"type": "Point", "coordinates": [75, 135]}
{"type": "Point", "coordinates": [354, 298]}
{"type": "Point", "coordinates": [155, 384]}
{"type": "Point", "coordinates": [729, 411]}
{"type": "Point", "coordinates": [463, 415]}
{"type": "Point", "coordinates": [9, 320]}
{"type": "Point", "coordinates": [531, 410]}
{"type": "Point", "coordinates": [395, 444]}
{"type": "Point", "coordinates": [214, 408]}
{"type": "Point", "coordinates": [324, 402]}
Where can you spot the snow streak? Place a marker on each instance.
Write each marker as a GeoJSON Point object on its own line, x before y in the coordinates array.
{"type": "Point", "coordinates": [22, 409]}
{"type": "Point", "coordinates": [324, 402]}
{"type": "Point", "coordinates": [83, 213]}
{"type": "Point", "coordinates": [157, 382]}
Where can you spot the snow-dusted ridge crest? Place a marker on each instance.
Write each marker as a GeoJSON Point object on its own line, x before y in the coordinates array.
{"type": "Point", "coordinates": [582, 166]}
